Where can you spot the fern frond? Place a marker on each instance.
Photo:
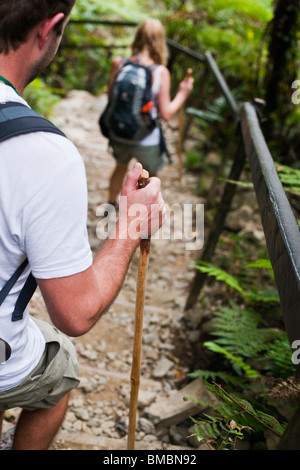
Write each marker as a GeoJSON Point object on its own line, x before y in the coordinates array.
{"type": "Point", "coordinates": [289, 177]}
{"type": "Point", "coordinates": [218, 427]}
{"type": "Point", "coordinates": [278, 355]}
{"type": "Point", "coordinates": [219, 274]}
{"type": "Point", "coordinates": [229, 379]}
{"type": "Point", "coordinates": [238, 331]}
{"type": "Point", "coordinates": [262, 264]}
{"type": "Point", "coordinates": [267, 296]}
{"type": "Point", "coordinates": [237, 363]}
{"type": "Point", "coordinates": [236, 328]}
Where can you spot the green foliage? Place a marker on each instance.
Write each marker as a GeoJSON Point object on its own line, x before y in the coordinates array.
{"type": "Point", "coordinates": [243, 333]}
{"type": "Point", "coordinates": [83, 62]}
{"type": "Point", "coordinates": [219, 274]}
{"type": "Point", "coordinates": [255, 10]}
{"type": "Point", "coordinates": [238, 364]}
{"type": "Point", "coordinates": [130, 10]}
{"type": "Point", "coordinates": [40, 97]}
{"type": "Point", "coordinates": [251, 295]}
{"type": "Point", "coordinates": [224, 377]}
{"type": "Point", "coordinates": [262, 264]}
{"type": "Point", "coordinates": [289, 177]}
{"type": "Point", "coordinates": [241, 337]}
{"type": "Point", "coordinates": [232, 29]}
{"type": "Point", "coordinates": [232, 419]}
{"type": "Point", "coordinates": [250, 349]}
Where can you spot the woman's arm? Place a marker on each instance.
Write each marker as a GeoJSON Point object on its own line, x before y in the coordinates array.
{"type": "Point", "coordinates": [168, 107]}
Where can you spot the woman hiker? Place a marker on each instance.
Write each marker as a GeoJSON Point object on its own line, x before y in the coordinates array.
{"type": "Point", "coordinates": [149, 49]}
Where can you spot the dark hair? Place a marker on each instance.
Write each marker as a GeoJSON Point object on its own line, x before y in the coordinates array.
{"type": "Point", "coordinates": [19, 17]}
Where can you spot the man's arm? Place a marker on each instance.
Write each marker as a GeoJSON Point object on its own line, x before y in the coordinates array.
{"type": "Point", "coordinates": [75, 303]}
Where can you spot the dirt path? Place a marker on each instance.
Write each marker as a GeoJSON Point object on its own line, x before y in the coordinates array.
{"type": "Point", "coordinates": [98, 414]}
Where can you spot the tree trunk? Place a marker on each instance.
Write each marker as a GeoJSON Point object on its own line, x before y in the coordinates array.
{"type": "Point", "coordinates": [281, 68]}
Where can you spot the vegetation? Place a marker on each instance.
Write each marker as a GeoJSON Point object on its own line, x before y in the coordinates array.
{"type": "Point", "coordinates": [247, 342]}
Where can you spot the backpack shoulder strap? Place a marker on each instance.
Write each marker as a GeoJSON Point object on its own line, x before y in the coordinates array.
{"type": "Point", "coordinates": [11, 282]}
{"type": "Point", "coordinates": [25, 294]}
{"type": "Point", "coordinates": [17, 119]}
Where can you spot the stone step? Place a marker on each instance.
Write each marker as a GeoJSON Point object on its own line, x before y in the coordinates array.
{"type": "Point", "coordinates": [85, 441]}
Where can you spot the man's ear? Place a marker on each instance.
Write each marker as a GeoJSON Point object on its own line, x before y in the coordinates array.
{"type": "Point", "coordinates": [47, 26]}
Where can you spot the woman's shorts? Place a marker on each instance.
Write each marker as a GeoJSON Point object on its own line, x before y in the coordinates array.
{"type": "Point", "coordinates": [55, 375]}
{"type": "Point", "coordinates": [150, 156]}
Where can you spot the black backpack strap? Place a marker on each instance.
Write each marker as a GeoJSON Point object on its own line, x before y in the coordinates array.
{"type": "Point", "coordinates": [11, 282]}
{"type": "Point", "coordinates": [17, 119]}
{"type": "Point", "coordinates": [24, 297]}
{"type": "Point", "coordinates": [25, 294]}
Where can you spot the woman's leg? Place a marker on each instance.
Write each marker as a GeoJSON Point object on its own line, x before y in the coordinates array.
{"type": "Point", "coordinates": [116, 181]}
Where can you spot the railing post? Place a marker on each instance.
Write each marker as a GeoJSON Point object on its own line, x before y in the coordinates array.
{"type": "Point", "coordinates": [218, 224]}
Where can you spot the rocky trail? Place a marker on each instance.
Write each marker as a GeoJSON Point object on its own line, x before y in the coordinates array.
{"type": "Point", "coordinates": [97, 417]}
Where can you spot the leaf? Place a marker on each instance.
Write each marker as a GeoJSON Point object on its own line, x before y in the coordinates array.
{"type": "Point", "coordinates": [241, 184]}
{"type": "Point", "coordinates": [251, 373]}
{"type": "Point", "coordinates": [263, 264]}
{"type": "Point", "coordinates": [219, 274]}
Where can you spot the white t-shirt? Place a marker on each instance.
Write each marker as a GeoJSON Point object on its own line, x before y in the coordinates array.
{"type": "Point", "coordinates": [43, 215]}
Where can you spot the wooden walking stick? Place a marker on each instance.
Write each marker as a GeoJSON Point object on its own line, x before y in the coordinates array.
{"type": "Point", "coordinates": [180, 138]}
{"type": "Point", "coordinates": [138, 332]}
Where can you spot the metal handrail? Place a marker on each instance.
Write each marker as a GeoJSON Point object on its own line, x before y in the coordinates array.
{"type": "Point", "coordinates": [222, 83]}
{"type": "Point", "coordinates": [281, 229]}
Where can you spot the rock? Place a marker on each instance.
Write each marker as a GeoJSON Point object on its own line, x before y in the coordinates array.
{"type": "Point", "coordinates": [146, 397]}
{"type": "Point", "coordinates": [177, 407]}
{"type": "Point", "coordinates": [82, 414]}
{"type": "Point", "coordinates": [194, 336]}
{"type": "Point", "coordinates": [146, 426]}
{"type": "Point", "coordinates": [162, 368]}
{"type": "Point", "coordinates": [87, 384]}
{"type": "Point", "coordinates": [178, 434]}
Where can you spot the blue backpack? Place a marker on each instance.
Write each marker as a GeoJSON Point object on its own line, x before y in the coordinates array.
{"type": "Point", "coordinates": [128, 112]}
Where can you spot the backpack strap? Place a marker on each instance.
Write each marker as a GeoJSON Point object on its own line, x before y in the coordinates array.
{"type": "Point", "coordinates": [24, 297]}
{"type": "Point", "coordinates": [11, 282]}
{"type": "Point", "coordinates": [18, 119]}
{"type": "Point", "coordinates": [25, 294]}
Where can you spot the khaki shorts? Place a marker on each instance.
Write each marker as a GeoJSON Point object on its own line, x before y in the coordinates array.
{"type": "Point", "coordinates": [55, 375]}
{"type": "Point", "coordinates": [150, 157]}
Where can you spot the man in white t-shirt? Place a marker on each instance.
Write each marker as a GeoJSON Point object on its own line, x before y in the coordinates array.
{"type": "Point", "coordinates": [43, 212]}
